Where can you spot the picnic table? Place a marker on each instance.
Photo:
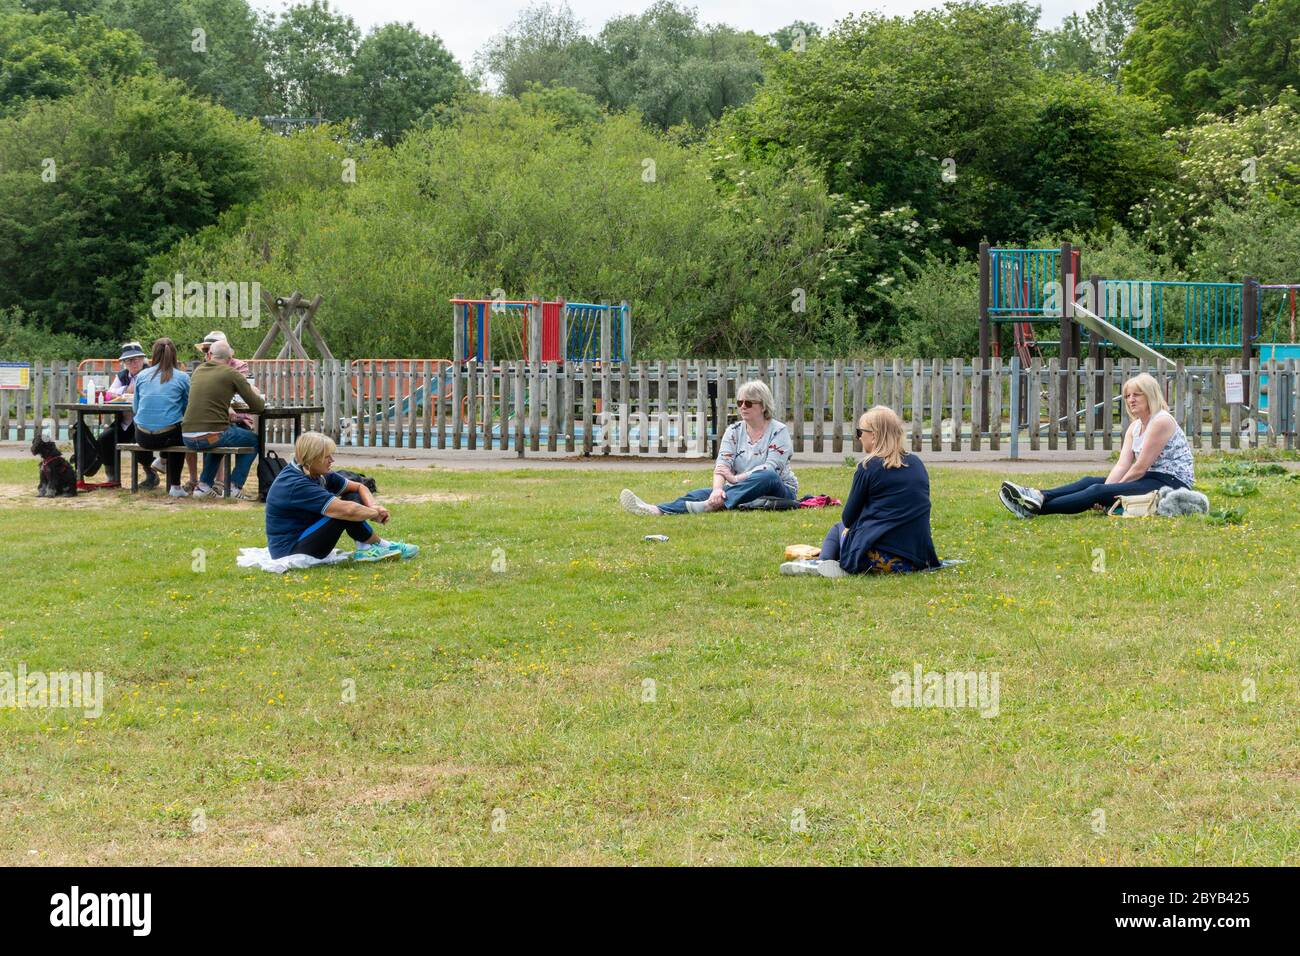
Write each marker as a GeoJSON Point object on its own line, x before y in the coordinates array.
{"type": "Point", "coordinates": [99, 409]}
{"type": "Point", "coordinates": [82, 409]}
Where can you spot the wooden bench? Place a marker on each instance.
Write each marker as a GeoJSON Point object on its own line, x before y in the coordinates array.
{"type": "Point", "coordinates": [228, 453]}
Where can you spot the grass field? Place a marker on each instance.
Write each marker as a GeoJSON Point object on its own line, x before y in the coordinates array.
{"type": "Point", "coordinates": [1147, 712]}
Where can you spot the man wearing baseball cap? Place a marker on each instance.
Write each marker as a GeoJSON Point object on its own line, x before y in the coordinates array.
{"type": "Point", "coordinates": [123, 428]}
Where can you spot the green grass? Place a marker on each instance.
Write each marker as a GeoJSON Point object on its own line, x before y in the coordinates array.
{"type": "Point", "coordinates": [518, 694]}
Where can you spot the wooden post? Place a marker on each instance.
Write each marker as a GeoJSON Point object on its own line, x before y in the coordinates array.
{"type": "Point", "coordinates": [1065, 272]}
{"type": "Point", "coordinates": [819, 403]}
{"type": "Point", "coordinates": [458, 331]}
{"type": "Point", "coordinates": [1094, 349]}
{"type": "Point", "coordinates": [986, 338]}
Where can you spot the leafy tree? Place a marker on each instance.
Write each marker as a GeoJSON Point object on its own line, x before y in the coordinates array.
{"type": "Point", "coordinates": [52, 54]}
{"type": "Point", "coordinates": [661, 63]}
{"type": "Point", "coordinates": [1195, 56]}
{"type": "Point", "coordinates": [312, 51]}
{"type": "Point", "coordinates": [1086, 157]}
{"type": "Point", "coordinates": [671, 70]}
{"type": "Point", "coordinates": [798, 33]}
{"type": "Point", "coordinates": [544, 46]}
{"type": "Point", "coordinates": [213, 45]}
{"type": "Point", "coordinates": [1093, 43]}
{"type": "Point", "coordinates": [400, 75]}
{"type": "Point", "coordinates": [1265, 57]}
{"type": "Point", "coordinates": [93, 184]}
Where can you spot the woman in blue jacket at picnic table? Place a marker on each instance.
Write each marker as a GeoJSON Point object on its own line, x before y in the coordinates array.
{"type": "Point", "coordinates": [161, 393]}
{"type": "Point", "coordinates": [886, 521]}
{"type": "Point", "coordinates": [753, 462]}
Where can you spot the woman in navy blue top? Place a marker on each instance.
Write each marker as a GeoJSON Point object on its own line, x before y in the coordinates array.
{"type": "Point", "coordinates": [886, 521]}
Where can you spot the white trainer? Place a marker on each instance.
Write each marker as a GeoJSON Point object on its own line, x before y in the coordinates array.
{"type": "Point", "coordinates": [176, 491]}
{"type": "Point", "coordinates": [825, 569]}
{"type": "Point", "coordinates": [634, 505]}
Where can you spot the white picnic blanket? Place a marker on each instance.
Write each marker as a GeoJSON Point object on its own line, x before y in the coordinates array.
{"type": "Point", "coordinates": [261, 558]}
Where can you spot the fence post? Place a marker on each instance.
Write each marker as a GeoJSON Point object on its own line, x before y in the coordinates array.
{"type": "Point", "coordinates": [986, 340]}
{"type": "Point", "coordinates": [1015, 407]}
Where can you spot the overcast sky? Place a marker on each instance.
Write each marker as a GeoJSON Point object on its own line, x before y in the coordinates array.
{"type": "Point", "coordinates": [466, 25]}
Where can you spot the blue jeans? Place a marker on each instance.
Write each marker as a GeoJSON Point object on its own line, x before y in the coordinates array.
{"type": "Point", "coordinates": [757, 485]}
{"type": "Point", "coordinates": [231, 437]}
{"type": "Point", "coordinates": [1079, 496]}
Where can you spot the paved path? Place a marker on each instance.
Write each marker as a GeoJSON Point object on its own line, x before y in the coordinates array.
{"type": "Point", "coordinates": [361, 458]}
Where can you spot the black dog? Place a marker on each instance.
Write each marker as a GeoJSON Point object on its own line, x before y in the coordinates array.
{"type": "Point", "coordinates": [57, 478]}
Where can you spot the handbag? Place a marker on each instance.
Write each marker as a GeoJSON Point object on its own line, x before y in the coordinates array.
{"type": "Point", "coordinates": [268, 469]}
{"type": "Point", "coordinates": [1135, 506]}
{"type": "Point", "coordinates": [359, 479]}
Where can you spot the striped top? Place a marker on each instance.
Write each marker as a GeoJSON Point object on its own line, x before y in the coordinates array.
{"type": "Point", "coordinates": [1175, 459]}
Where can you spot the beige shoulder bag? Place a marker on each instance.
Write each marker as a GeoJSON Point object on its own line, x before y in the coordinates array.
{"type": "Point", "coordinates": [1135, 506]}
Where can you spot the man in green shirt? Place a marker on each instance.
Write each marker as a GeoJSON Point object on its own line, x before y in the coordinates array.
{"type": "Point", "coordinates": [207, 419]}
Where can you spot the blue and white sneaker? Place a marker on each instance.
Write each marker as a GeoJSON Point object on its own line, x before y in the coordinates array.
{"type": "Point", "coordinates": [1030, 499]}
{"type": "Point", "coordinates": [404, 550]}
{"type": "Point", "coordinates": [373, 552]}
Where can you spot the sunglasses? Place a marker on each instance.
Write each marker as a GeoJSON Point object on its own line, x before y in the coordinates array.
{"type": "Point", "coordinates": [746, 402]}
{"type": "Point", "coordinates": [862, 431]}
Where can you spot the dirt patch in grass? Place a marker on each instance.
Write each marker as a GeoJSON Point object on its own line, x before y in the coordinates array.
{"type": "Point", "coordinates": [15, 496]}
{"type": "Point", "coordinates": [436, 497]}
{"type": "Point", "coordinates": [12, 496]}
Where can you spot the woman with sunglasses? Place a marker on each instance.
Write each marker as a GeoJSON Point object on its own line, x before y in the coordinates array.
{"type": "Point", "coordinates": [753, 462]}
{"type": "Point", "coordinates": [886, 522]}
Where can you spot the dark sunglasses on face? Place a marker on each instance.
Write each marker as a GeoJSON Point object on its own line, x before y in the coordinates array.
{"type": "Point", "coordinates": [861, 431]}
{"type": "Point", "coordinates": [745, 403]}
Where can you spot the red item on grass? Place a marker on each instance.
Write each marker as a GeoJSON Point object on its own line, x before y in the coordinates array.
{"type": "Point", "coordinates": [819, 501]}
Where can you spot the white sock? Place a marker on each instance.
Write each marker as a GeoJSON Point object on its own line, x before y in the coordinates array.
{"type": "Point", "coordinates": [381, 543]}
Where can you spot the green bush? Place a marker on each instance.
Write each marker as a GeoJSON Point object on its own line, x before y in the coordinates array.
{"type": "Point", "coordinates": [497, 195]}
{"type": "Point", "coordinates": [23, 340]}
{"type": "Point", "coordinates": [93, 184]}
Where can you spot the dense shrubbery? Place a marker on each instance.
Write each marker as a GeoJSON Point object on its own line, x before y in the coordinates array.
{"type": "Point", "coordinates": [855, 168]}
{"type": "Point", "coordinates": [498, 195]}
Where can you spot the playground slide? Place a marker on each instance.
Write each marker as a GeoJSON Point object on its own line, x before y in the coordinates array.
{"type": "Point", "coordinates": [1099, 326]}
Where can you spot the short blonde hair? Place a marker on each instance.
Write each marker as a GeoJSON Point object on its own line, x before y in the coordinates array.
{"type": "Point", "coordinates": [1148, 386]}
{"type": "Point", "coordinates": [756, 390]}
{"type": "Point", "coordinates": [311, 448]}
{"type": "Point", "coordinates": [888, 429]}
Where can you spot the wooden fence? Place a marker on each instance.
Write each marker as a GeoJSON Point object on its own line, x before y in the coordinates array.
{"type": "Point", "coordinates": [678, 407]}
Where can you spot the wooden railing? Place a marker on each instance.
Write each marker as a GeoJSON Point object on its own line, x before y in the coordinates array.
{"type": "Point", "coordinates": [678, 407]}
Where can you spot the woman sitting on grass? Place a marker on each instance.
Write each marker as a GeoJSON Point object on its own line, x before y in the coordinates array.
{"type": "Point", "coordinates": [1155, 455]}
{"type": "Point", "coordinates": [309, 508]}
{"type": "Point", "coordinates": [753, 462]}
{"type": "Point", "coordinates": [886, 521]}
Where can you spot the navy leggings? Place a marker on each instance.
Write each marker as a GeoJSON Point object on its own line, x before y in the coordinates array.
{"type": "Point", "coordinates": [319, 540]}
{"type": "Point", "coordinates": [1079, 496]}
